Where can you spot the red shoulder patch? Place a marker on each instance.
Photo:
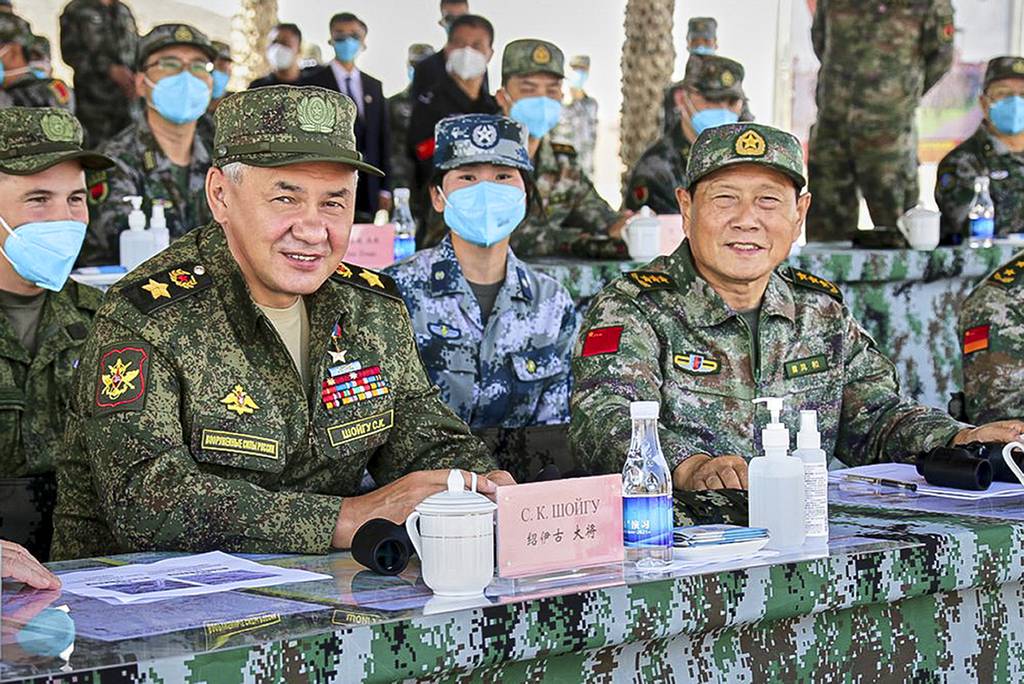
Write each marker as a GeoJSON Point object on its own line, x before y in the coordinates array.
{"type": "Point", "coordinates": [976, 339]}
{"type": "Point", "coordinates": [641, 193]}
{"type": "Point", "coordinates": [602, 341]}
{"type": "Point", "coordinates": [121, 379]}
{"type": "Point", "coordinates": [425, 149]}
{"type": "Point", "coordinates": [98, 192]}
{"type": "Point", "coordinates": [60, 91]}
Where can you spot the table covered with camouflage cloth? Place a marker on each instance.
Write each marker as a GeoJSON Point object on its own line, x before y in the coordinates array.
{"type": "Point", "coordinates": [907, 300]}
{"type": "Point", "coordinates": [902, 596]}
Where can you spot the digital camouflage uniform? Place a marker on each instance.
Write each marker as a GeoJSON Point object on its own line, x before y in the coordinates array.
{"type": "Point", "coordinates": [30, 91]}
{"type": "Point", "coordinates": [663, 334]}
{"type": "Point", "coordinates": [566, 214]}
{"type": "Point", "coordinates": [93, 37]}
{"type": "Point", "coordinates": [190, 426]}
{"type": "Point", "coordinates": [403, 171]}
{"type": "Point", "coordinates": [878, 57]}
{"type": "Point", "coordinates": [205, 125]}
{"type": "Point", "coordinates": [578, 125]}
{"type": "Point", "coordinates": [984, 154]}
{"type": "Point", "coordinates": [34, 389]}
{"type": "Point", "coordinates": [143, 169]}
{"type": "Point", "coordinates": [662, 167]}
{"type": "Point", "coordinates": [992, 331]}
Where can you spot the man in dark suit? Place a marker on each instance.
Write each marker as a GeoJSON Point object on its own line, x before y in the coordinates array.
{"type": "Point", "coordinates": [373, 132]}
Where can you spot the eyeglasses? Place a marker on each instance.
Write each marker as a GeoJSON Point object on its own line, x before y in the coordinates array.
{"type": "Point", "coordinates": [1002, 93]}
{"type": "Point", "coordinates": [172, 66]}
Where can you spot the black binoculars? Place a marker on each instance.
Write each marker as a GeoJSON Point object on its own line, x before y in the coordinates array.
{"type": "Point", "coordinates": [971, 466]}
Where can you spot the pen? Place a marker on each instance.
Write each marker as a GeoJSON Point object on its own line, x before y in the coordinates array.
{"type": "Point", "coordinates": [881, 481]}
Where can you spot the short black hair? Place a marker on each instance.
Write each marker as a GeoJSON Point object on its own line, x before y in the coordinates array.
{"type": "Point", "coordinates": [347, 16]}
{"type": "Point", "coordinates": [454, 2]}
{"type": "Point", "coordinates": [475, 21]}
{"type": "Point", "coordinates": [289, 27]}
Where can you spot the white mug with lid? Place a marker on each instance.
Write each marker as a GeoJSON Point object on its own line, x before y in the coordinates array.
{"type": "Point", "coordinates": [453, 534]}
{"type": "Point", "coordinates": [921, 228]}
{"type": "Point", "coordinates": [642, 234]}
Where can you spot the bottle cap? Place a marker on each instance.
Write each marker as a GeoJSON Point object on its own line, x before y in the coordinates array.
{"type": "Point", "coordinates": [808, 437]}
{"type": "Point", "coordinates": [643, 410]}
{"type": "Point", "coordinates": [401, 193]}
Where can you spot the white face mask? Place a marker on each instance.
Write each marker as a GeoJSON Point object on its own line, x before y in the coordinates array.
{"type": "Point", "coordinates": [280, 57]}
{"type": "Point", "coordinates": [466, 63]}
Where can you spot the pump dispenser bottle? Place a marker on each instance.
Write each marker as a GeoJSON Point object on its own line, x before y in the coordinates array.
{"type": "Point", "coordinates": [810, 453]}
{"type": "Point", "coordinates": [158, 227]}
{"type": "Point", "coordinates": [136, 244]}
{"type": "Point", "coordinates": [777, 484]}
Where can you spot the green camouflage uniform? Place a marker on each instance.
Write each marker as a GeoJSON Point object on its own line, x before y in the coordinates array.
{"type": "Point", "coordinates": [662, 167]}
{"type": "Point", "coordinates": [566, 214]}
{"type": "Point", "coordinates": [204, 127]}
{"type": "Point", "coordinates": [984, 154]}
{"type": "Point", "coordinates": [190, 427]}
{"type": "Point", "coordinates": [663, 334]}
{"type": "Point", "coordinates": [403, 170]}
{"type": "Point", "coordinates": [93, 37]}
{"type": "Point", "coordinates": [143, 169]}
{"type": "Point", "coordinates": [992, 331]}
{"type": "Point", "coordinates": [34, 389]}
{"type": "Point", "coordinates": [878, 57]}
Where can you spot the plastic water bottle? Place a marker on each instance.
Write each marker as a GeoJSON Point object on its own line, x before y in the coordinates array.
{"type": "Point", "coordinates": [646, 492]}
{"type": "Point", "coordinates": [405, 227]}
{"type": "Point", "coordinates": [136, 243]}
{"type": "Point", "coordinates": [158, 227]}
{"type": "Point", "coordinates": [982, 215]}
{"type": "Point", "coordinates": [777, 485]}
{"type": "Point", "coordinates": [809, 451]}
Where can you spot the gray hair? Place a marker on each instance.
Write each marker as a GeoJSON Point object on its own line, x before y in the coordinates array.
{"type": "Point", "coordinates": [235, 170]}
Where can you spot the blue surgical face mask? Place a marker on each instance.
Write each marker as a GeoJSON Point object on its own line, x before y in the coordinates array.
{"type": "Point", "coordinates": [220, 83]}
{"type": "Point", "coordinates": [181, 99]}
{"type": "Point", "coordinates": [538, 114]}
{"type": "Point", "coordinates": [346, 49]}
{"type": "Point", "coordinates": [702, 50]}
{"type": "Point", "coordinates": [44, 252]}
{"type": "Point", "coordinates": [485, 213]}
{"type": "Point", "coordinates": [1007, 115]}
{"type": "Point", "coordinates": [579, 78]}
{"type": "Point", "coordinates": [709, 118]}
{"type": "Point", "coordinates": [411, 72]}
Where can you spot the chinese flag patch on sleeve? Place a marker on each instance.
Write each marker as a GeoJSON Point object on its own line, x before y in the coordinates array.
{"type": "Point", "coordinates": [602, 341]}
{"type": "Point", "coordinates": [976, 339]}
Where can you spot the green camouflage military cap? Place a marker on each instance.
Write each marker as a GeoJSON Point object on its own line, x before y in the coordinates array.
{"type": "Point", "coordinates": [580, 62]}
{"type": "Point", "coordinates": [715, 77]}
{"type": "Point", "coordinates": [40, 47]}
{"type": "Point", "coordinates": [280, 125]}
{"type": "Point", "coordinates": [223, 50]}
{"type": "Point", "coordinates": [481, 139]}
{"type": "Point", "coordinates": [745, 143]}
{"type": "Point", "coordinates": [702, 27]}
{"type": "Point", "coordinates": [1004, 67]}
{"type": "Point", "coordinates": [532, 56]}
{"type": "Point", "coordinates": [14, 29]}
{"type": "Point", "coordinates": [32, 139]}
{"type": "Point", "coordinates": [418, 51]}
{"type": "Point", "coordinates": [166, 35]}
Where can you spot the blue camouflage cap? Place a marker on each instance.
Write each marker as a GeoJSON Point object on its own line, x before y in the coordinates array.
{"type": "Point", "coordinates": [480, 139]}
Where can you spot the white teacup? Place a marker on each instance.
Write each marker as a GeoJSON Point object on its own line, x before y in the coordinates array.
{"type": "Point", "coordinates": [921, 228]}
{"type": "Point", "coordinates": [642, 235]}
{"type": "Point", "coordinates": [453, 534]}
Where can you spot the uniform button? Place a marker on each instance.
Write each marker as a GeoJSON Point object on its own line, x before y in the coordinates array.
{"type": "Point", "coordinates": [199, 270]}
{"type": "Point", "coordinates": [439, 275]}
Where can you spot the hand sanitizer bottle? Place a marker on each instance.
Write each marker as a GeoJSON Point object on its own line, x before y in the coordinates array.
{"type": "Point", "coordinates": [809, 451]}
{"type": "Point", "coordinates": [777, 485]}
{"type": "Point", "coordinates": [136, 245]}
{"type": "Point", "coordinates": [646, 492]}
{"type": "Point", "coordinates": [158, 227]}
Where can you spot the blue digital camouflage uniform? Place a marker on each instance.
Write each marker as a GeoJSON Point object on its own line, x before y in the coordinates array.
{"type": "Point", "coordinates": [512, 371]}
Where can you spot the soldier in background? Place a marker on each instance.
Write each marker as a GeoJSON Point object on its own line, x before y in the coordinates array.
{"type": "Point", "coordinates": [710, 95]}
{"type": "Point", "coordinates": [578, 126]}
{"type": "Point", "coordinates": [99, 40]}
{"type": "Point", "coordinates": [878, 59]}
{"type": "Point", "coordinates": [221, 74]}
{"type": "Point", "coordinates": [992, 331]}
{"type": "Point", "coordinates": [25, 84]}
{"type": "Point", "coordinates": [284, 45]}
{"type": "Point", "coordinates": [495, 335]}
{"type": "Point", "coordinates": [400, 110]}
{"type": "Point", "coordinates": [995, 150]}
{"type": "Point", "coordinates": [566, 216]}
{"type": "Point", "coordinates": [161, 157]}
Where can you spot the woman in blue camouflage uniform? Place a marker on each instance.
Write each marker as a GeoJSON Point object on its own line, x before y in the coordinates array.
{"type": "Point", "coordinates": [495, 336]}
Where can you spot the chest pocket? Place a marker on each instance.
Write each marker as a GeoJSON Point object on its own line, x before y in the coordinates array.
{"type": "Point", "coordinates": [237, 444]}
{"type": "Point", "coordinates": [540, 364]}
{"type": "Point", "coordinates": [12, 406]}
{"type": "Point", "coordinates": [447, 356]}
{"type": "Point", "coordinates": [358, 416]}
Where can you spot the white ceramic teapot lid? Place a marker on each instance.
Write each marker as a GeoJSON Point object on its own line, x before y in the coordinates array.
{"type": "Point", "coordinates": [457, 500]}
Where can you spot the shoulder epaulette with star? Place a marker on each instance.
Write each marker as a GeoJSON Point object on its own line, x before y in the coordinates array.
{"type": "Point", "coordinates": [1010, 274]}
{"type": "Point", "coordinates": [563, 148]}
{"type": "Point", "coordinates": [168, 286]}
{"type": "Point", "coordinates": [813, 282]}
{"type": "Point", "coordinates": [366, 279]}
{"type": "Point", "coordinates": [651, 280]}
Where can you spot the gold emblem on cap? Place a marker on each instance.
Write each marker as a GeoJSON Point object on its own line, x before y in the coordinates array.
{"type": "Point", "coordinates": [1018, 66]}
{"type": "Point", "coordinates": [541, 55]}
{"type": "Point", "coordinates": [183, 34]}
{"type": "Point", "coordinates": [728, 79]}
{"type": "Point", "coordinates": [316, 114]}
{"type": "Point", "coordinates": [57, 128]}
{"type": "Point", "coordinates": [750, 144]}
